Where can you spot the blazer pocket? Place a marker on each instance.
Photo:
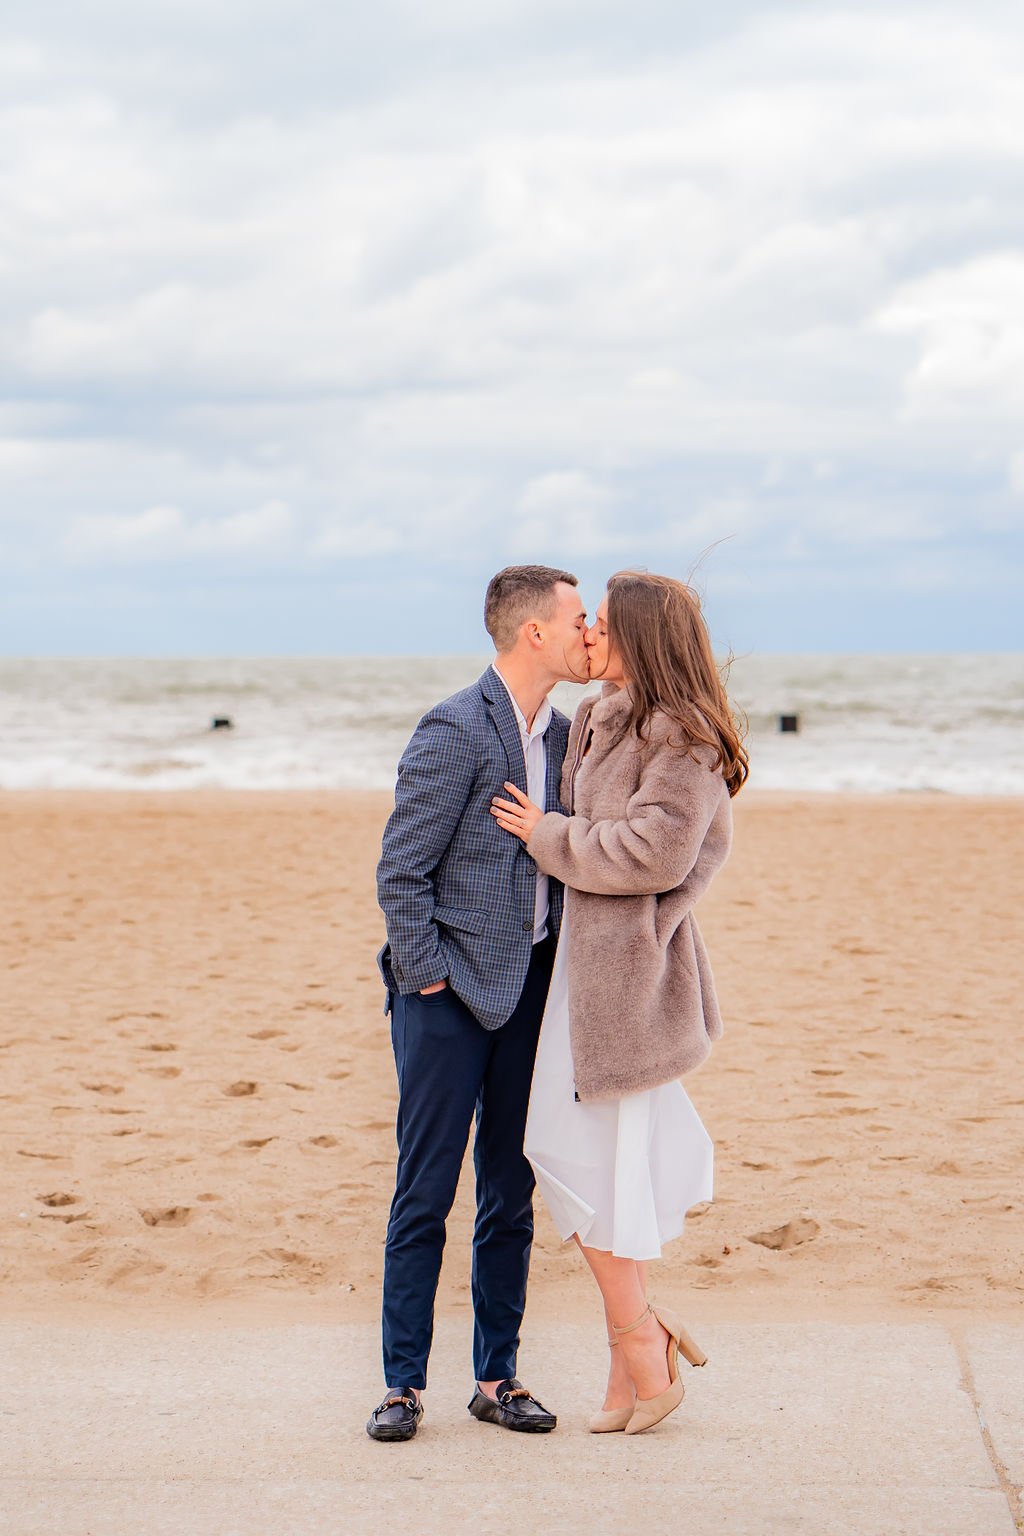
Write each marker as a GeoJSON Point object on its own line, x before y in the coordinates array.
{"type": "Point", "coordinates": [466, 919]}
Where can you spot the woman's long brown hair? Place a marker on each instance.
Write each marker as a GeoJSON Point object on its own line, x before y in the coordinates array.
{"type": "Point", "coordinates": [656, 625]}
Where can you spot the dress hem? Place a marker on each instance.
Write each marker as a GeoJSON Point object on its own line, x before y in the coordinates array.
{"type": "Point", "coordinates": [554, 1192]}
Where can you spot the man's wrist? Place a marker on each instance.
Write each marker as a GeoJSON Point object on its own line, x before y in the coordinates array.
{"type": "Point", "coordinates": [415, 975]}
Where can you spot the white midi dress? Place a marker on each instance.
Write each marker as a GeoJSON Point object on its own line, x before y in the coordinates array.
{"type": "Point", "coordinates": [620, 1173]}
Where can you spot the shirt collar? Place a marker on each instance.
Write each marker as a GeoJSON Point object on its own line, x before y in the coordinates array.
{"type": "Point", "coordinates": [541, 720]}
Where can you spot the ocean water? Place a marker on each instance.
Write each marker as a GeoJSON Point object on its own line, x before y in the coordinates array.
{"type": "Point", "coordinates": [952, 724]}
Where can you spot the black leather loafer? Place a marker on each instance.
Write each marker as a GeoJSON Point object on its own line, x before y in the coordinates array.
{"type": "Point", "coordinates": [515, 1409]}
{"type": "Point", "coordinates": [397, 1417]}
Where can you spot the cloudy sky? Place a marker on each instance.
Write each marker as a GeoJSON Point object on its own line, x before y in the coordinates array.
{"type": "Point", "coordinates": [314, 314]}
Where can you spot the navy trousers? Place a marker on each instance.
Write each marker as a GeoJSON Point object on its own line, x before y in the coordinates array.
{"type": "Point", "coordinates": [448, 1067]}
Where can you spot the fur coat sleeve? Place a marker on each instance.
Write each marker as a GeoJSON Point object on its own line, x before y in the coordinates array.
{"type": "Point", "coordinates": [653, 844]}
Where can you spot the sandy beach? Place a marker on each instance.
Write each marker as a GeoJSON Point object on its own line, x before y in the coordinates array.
{"type": "Point", "coordinates": [198, 1093]}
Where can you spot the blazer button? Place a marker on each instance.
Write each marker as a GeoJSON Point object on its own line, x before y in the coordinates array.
{"type": "Point", "coordinates": [527, 924]}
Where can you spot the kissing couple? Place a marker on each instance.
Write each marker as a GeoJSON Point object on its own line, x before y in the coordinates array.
{"type": "Point", "coordinates": [544, 972]}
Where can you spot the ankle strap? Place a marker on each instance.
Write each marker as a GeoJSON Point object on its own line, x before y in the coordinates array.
{"type": "Point", "coordinates": [645, 1314]}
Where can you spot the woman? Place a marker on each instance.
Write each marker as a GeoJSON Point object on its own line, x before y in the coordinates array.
{"type": "Point", "coordinates": [618, 1149]}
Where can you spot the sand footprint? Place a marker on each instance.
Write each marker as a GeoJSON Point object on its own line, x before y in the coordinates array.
{"type": "Point", "coordinates": [135, 1269]}
{"type": "Point", "coordinates": [57, 1202]}
{"type": "Point", "coordinates": [167, 1216]}
{"type": "Point", "coordinates": [266, 1034]}
{"type": "Point", "coordinates": [790, 1235]}
{"type": "Point", "coordinates": [240, 1090]}
{"type": "Point", "coordinates": [279, 1263]}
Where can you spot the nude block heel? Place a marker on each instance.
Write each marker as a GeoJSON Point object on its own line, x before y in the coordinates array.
{"type": "Point", "coordinates": [651, 1410]}
{"type": "Point", "coordinates": [685, 1343]}
{"type": "Point", "coordinates": [689, 1349]}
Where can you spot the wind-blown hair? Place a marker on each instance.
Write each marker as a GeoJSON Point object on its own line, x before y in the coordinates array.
{"type": "Point", "coordinates": [656, 625]}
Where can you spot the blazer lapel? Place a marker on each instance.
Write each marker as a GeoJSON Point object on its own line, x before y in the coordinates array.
{"type": "Point", "coordinates": [504, 716]}
{"type": "Point", "coordinates": [554, 758]}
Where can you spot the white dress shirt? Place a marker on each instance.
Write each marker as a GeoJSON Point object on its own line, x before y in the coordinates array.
{"type": "Point", "coordinates": [536, 787]}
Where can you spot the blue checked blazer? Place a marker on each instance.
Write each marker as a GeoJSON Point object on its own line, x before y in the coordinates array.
{"type": "Point", "coordinates": [457, 892]}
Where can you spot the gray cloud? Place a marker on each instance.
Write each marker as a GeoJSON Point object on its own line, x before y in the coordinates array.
{"type": "Point", "coordinates": [438, 289]}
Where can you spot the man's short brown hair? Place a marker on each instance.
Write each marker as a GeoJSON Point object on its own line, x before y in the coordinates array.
{"type": "Point", "coordinates": [518, 593]}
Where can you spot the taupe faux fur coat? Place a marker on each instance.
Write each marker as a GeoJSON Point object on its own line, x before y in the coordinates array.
{"type": "Point", "coordinates": [648, 828]}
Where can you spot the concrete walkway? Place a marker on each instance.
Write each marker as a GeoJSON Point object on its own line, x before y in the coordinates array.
{"type": "Point", "coordinates": [819, 1428]}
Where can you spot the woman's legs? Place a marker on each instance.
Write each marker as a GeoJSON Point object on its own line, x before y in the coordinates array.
{"type": "Point", "coordinates": [639, 1365]}
{"type": "Point", "coordinates": [620, 1391]}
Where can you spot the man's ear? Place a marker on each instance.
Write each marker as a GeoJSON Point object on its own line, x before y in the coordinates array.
{"type": "Point", "coordinates": [533, 634]}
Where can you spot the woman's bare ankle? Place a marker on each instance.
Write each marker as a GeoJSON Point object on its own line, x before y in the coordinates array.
{"type": "Point", "coordinates": [619, 1391]}
{"type": "Point", "coordinates": [646, 1358]}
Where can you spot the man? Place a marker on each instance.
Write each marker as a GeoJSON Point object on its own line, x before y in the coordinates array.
{"type": "Point", "coordinates": [472, 927]}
